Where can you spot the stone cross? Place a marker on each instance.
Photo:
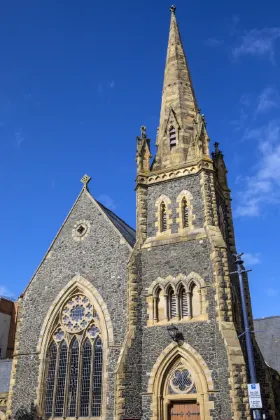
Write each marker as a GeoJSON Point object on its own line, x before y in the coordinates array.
{"type": "Point", "coordinates": [85, 180]}
{"type": "Point", "coordinates": [173, 8]}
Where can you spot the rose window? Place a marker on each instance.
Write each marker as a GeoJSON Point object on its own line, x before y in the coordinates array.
{"type": "Point", "coordinates": [77, 314]}
{"type": "Point", "coordinates": [182, 382]}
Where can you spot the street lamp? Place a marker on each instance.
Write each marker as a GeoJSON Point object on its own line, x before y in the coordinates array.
{"type": "Point", "coordinates": [174, 333]}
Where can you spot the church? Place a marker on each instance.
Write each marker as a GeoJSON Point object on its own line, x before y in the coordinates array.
{"type": "Point", "coordinates": [117, 324]}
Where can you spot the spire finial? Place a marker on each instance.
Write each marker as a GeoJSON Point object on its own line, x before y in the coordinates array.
{"type": "Point", "coordinates": [173, 8]}
{"type": "Point", "coordinates": [85, 180]}
{"type": "Point", "coordinates": [143, 130]}
{"type": "Point", "coordinates": [217, 150]}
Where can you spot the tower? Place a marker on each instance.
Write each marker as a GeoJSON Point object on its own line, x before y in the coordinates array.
{"type": "Point", "coordinates": [183, 258]}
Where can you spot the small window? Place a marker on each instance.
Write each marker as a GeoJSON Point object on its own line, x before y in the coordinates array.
{"type": "Point", "coordinates": [172, 136]}
{"type": "Point", "coordinates": [184, 303]}
{"type": "Point", "coordinates": [172, 304]}
{"type": "Point", "coordinates": [185, 213]}
{"type": "Point", "coordinates": [163, 217]}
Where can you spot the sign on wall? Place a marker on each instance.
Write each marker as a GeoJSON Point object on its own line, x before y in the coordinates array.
{"type": "Point", "coordinates": [255, 399]}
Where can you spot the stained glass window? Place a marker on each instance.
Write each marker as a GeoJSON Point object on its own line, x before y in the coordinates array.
{"type": "Point", "coordinates": [61, 375]}
{"type": "Point", "coordinates": [73, 379]}
{"type": "Point", "coordinates": [74, 367]}
{"type": "Point", "coordinates": [85, 382]}
{"type": "Point", "coordinates": [50, 379]}
{"type": "Point", "coordinates": [97, 379]}
{"type": "Point", "coordinates": [181, 382]}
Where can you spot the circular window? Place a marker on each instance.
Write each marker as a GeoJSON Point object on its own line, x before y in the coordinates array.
{"type": "Point", "coordinates": [77, 314]}
{"type": "Point", "coordinates": [181, 381]}
{"type": "Point", "coordinates": [80, 230]}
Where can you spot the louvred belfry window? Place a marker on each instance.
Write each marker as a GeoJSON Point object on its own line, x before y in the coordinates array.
{"type": "Point", "coordinates": [172, 136]}
{"type": "Point", "coordinates": [172, 304]}
{"type": "Point", "coordinates": [163, 217]}
{"type": "Point", "coordinates": [184, 303]}
{"type": "Point", "coordinates": [73, 379]}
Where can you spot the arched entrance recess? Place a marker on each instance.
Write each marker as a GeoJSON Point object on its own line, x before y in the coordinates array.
{"type": "Point", "coordinates": [180, 382]}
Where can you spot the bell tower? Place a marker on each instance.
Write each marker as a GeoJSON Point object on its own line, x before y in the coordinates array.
{"type": "Point", "coordinates": [182, 259]}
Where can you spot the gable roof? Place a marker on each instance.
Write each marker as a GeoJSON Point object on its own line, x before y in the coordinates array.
{"type": "Point", "coordinates": [123, 229]}
{"type": "Point", "coordinates": [127, 232]}
{"type": "Point", "coordinates": [268, 338]}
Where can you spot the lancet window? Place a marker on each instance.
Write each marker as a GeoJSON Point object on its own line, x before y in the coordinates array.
{"type": "Point", "coordinates": [179, 302]}
{"type": "Point", "coordinates": [172, 136]}
{"type": "Point", "coordinates": [74, 368]}
{"type": "Point", "coordinates": [163, 217]}
{"type": "Point", "coordinates": [185, 213]}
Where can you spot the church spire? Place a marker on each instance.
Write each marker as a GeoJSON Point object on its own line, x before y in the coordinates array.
{"type": "Point", "coordinates": [179, 109]}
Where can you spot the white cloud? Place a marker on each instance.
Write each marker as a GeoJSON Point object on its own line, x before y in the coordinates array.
{"type": "Point", "coordinates": [107, 201]}
{"type": "Point", "coordinates": [270, 292]}
{"type": "Point", "coordinates": [264, 186]}
{"type": "Point", "coordinates": [252, 259]}
{"type": "Point", "coordinates": [112, 84]}
{"type": "Point", "coordinates": [257, 42]}
{"type": "Point", "coordinates": [5, 292]}
{"type": "Point", "coordinates": [268, 99]}
{"type": "Point", "coordinates": [213, 42]}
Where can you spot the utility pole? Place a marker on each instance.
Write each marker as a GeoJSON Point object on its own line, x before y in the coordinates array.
{"type": "Point", "coordinates": [250, 352]}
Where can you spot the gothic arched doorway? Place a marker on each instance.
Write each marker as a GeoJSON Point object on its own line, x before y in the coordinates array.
{"type": "Point", "coordinates": [180, 384]}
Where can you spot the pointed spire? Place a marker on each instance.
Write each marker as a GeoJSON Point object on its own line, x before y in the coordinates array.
{"type": "Point", "coordinates": [179, 106]}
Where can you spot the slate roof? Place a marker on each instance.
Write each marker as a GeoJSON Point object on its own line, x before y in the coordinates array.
{"type": "Point", "coordinates": [123, 228]}
{"type": "Point", "coordinates": [268, 339]}
{"type": "Point", "coordinates": [5, 373]}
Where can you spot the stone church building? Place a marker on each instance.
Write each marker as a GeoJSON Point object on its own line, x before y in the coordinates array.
{"type": "Point", "coordinates": [118, 324]}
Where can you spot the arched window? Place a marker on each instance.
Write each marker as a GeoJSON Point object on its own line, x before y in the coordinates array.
{"type": "Point", "coordinates": [163, 217]}
{"type": "Point", "coordinates": [172, 307]}
{"type": "Point", "coordinates": [185, 213]}
{"type": "Point", "coordinates": [51, 364]}
{"type": "Point", "coordinates": [184, 304]}
{"type": "Point", "coordinates": [172, 136]}
{"type": "Point", "coordinates": [73, 379]}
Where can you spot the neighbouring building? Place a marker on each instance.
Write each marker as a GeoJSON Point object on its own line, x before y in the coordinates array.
{"type": "Point", "coordinates": [118, 324]}
{"type": "Point", "coordinates": [8, 318]}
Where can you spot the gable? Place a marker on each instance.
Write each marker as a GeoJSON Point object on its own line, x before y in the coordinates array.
{"type": "Point", "coordinates": [100, 255]}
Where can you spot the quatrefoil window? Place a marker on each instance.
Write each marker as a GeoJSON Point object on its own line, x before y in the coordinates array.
{"type": "Point", "coordinates": [182, 382]}
{"type": "Point", "coordinates": [81, 230]}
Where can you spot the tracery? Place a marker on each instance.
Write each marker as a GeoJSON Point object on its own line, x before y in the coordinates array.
{"type": "Point", "coordinates": [73, 377]}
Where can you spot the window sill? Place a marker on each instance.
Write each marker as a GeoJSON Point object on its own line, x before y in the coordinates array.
{"type": "Point", "coordinates": [200, 318]}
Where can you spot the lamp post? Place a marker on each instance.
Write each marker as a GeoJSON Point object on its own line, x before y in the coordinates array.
{"type": "Point", "coordinates": [250, 353]}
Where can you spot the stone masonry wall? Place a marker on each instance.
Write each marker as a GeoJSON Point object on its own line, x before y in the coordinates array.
{"type": "Point", "coordinates": [172, 189]}
{"type": "Point", "coordinates": [101, 258]}
{"type": "Point", "coordinates": [203, 336]}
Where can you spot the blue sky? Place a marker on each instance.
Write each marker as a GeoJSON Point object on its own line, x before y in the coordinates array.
{"type": "Point", "coordinates": [78, 79]}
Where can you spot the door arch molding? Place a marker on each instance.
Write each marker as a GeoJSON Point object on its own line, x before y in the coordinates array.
{"type": "Point", "coordinates": [193, 361]}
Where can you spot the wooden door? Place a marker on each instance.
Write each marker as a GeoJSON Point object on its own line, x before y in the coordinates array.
{"type": "Point", "coordinates": [184, 410]}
